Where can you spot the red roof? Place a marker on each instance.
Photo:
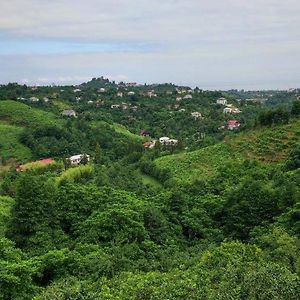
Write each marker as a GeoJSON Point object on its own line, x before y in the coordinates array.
{"type": "Point", "coordinates": [233, 122]}
{"type": "Point", "coordinates": [44, 162]}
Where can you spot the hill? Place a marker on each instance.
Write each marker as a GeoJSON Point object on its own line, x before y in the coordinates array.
{"type": "Point", "coordinates": [266, 145]}
{"type": "Point", "coordinates": [20, 114]}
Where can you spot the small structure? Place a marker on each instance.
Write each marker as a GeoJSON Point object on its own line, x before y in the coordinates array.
{"type": "Point", "coordinates": [131, 93]}
{"type": "Point", "coordinates": [231, 110]}
{"type": "Point", "coordinates": [41, 162]}
{"type": "Point", "coordinates": [196, 115]}
{"type": "Point", "coordinates": [115, 106]}
{"type": "Point", "coordinates": [69, 113]}
{"type": "Point", "coordinates": [77, 159]}
{"type": "Point", "coordinates": [166, 141]}
{"type": "Point", "coordinates": [144, 133]}
{"type": "Point", "coordinates": [233, 124]}
{"type": "Point", "coordinates": [101, 90]}
{"type": "Point", "coordinates": [77, 90]}
{"type": "Point", "coordinates": [178, 99]}
{"type": "Point", "coordinates": [149, 144]}
{"type": "Point", "coordinates": [34, 99]}
{"type": "Point", "coordinates": [188, 96]}
{"type": "Point", "coordinates": [222, 101]}
{"type": "Point", "coordinates": [119, 94]}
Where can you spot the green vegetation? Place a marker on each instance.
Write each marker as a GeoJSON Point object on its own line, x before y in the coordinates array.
{"type": "Point", "coordinates": [214, 216]}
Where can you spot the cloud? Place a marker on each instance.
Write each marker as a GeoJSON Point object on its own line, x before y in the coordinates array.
{"type": "Point", "coordinates": [213, 42]}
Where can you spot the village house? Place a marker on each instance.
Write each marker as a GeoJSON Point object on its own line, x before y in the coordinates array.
{"type": "Point", "coordinates": [178, 99]}
{"type": "Point", "coordinates": [101, 90]}
{"type": "Point", "coordinates": [76, 159]}
{"type": "Point", "coordinates": [231, 110]}
{"type": "Point", "coordinates": [196, 115]}
{"type": "Point", "coordinates": [222, 101]}
{"type": "Point", "coordinates": [77, 90]}
{"type": "Point", "coordinates": [166, 141]}
{"type": "Point", "coordinates": [41, 162]}
{"type": "Point", "coordinates": [134, 108]}
{"type": "Point", "coordinates": [188, 97]}
{"type": "Point", "coordinates": [69, 113]}
{"type": "Point", "coordinates": [233, 124]}
{"type": "Point", "coordinates": [115, 106]}
{"type": "Point", "coordinates": [149, 144]}
{"type": "Point", "coordinates": [34, 99]}
{"type": "Point", "coordinates": [131, 93]}
{"type": "Point", "coordinates": [144, 132]}
{"type": "Point", "coordinates": [119, 94]}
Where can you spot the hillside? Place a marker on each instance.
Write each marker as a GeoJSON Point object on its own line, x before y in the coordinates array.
{"type": "Point", "coordinates": [267, 145]}
{"type": "Point", "coordinates": [20, 114]}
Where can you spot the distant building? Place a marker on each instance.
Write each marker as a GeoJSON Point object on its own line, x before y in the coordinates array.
{"type": "Point", "coordinates": [149, 144]}
{"type": "Point", "coordinates": [69, 113]}
{"type": "Point", "coordinates": [34, 99]}
{"type": "Point", "coordinates": [115, 106]}
{"type": "Point", "coordinates": [178, 99]}
{"type": "Point", "coordinates": [131, 93]}
{"type": "Point", "coordinates": [166, 141]}
{"type": "Point", "coordinates": [188, 97]}
{"type": "Point", "coordinates": [76, 159]}
{"type": "Point", "coordinates": [101, 90]}
{"type": "Point", "coordinates": [233, 124]}
{"type": "Point", "coordinates": [196, 115]}
{"type": "Point", "coordinates": [119, 94]}
{"type": "Point", "coordinates": [77, 90]}
{"type": "Point", "coordinates": [222, 101]}
{"type": "Point", "coordinates": [144, 132]}
{"type": "Point", "coordinates": [41, 162]}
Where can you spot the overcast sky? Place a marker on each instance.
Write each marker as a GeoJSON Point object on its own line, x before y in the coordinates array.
{"type": "Point", "coordinates": [215, 44]}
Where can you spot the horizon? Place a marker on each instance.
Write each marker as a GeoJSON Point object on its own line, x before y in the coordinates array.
{"type": "Point", "coordinates": [235, 44]}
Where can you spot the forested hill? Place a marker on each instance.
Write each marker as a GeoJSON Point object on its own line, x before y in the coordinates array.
{"type": "Point", "coordinates": [174, 193]}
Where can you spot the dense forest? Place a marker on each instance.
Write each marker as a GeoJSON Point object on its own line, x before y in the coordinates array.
{"type": "Point", "coordinates": [214, 214]}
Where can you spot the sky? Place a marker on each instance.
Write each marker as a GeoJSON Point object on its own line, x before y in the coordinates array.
{"type": "Point", "coordinates": [215, 44]}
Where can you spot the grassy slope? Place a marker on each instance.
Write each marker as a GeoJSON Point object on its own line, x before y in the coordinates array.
{"type": "Point", "coordinates": [268, 145]}
{"type": "Point", "coordinates": [120, 129]}
{"type": "Point", "coordinates": [10, 147]}
{"type": "Point", "coordinates": [20, 114]}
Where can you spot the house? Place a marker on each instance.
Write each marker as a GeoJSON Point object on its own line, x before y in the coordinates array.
{"type": "Point", "coordinates": [77, 90]}
{"type": "Point", "coordinates": [166, 141]}
{"type": "Point", "coordinates": [144, 132]}
{"type": "Point", "coordinates": [169, 92]}
{"type": "Point", "coordinates": [119, 94]}
{"type": "Point", "coordinates": [227, 110]}
{"type": "Point", "coordinates": [182, 110]}
{"type": "Point", "coordinates": [76, 159]}
{"type": "Point", "coordinates": [196, 115]}
{"type": "Point", "coordinates": [178, 99]}
{"type": "Point", "coordinates": [90, 102]}
{"type": "Point", "coordinates": [46, 99]}
{"type": "Point", "coordinates": [134, 108]}
{"type": "Point", "coordinates": [233, 124]}
{"type": "Point", "coordinates": [101, 90]}
{"type": "Point", "coordinates": [115, 106]}
{"type": "Point", "coordinates": [34, 99]}
{"type": "Point", "coordinates": [222, 101]}
{"type": "Point", "coordinates": [149, 144]}
{"type": "Point", "coordinates": [41, 162]}
{"type": "Point", "coordinates": [188, 97]}
{"type": "Point", "coordinates": [131, 93]}
{"type": "Point", "coordinates": [69, 113]}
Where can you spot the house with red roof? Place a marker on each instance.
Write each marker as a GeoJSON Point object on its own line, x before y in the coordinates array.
{"type": "Point", "coordinates": [233, 124]}
{"type": "Point", "coordinates": [37, 163]}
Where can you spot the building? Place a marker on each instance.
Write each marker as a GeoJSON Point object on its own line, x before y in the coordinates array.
{"type": "Point", "coordinates": [196, 115]}
{"type": "Point", "coordinates": [69, 113]}
{"type": "Point", "coordinates": [131, 93]}
{"type": "Point", "coordinates": [34, 99]}
{"type": "Point", "coordinates": [149, 144]}
{"type": "Point", "coordinates": [188, 97]}
{"type": "Point", "coordinates": [37, 163]}
{"type": "Point", "coordinates": [76, 159]}
{"type": "Point", "coordinates": [233, 124]}
{"type": "Point", "coordinates": [144, 133]}
{"type": "Point", "coordinates": [166, 141]}
{"type": "Point", "coordinates": [115, 106]}
{"type": "Point", "coordinates": [222, 101]}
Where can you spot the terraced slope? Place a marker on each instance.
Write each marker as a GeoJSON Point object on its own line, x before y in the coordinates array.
{"type": "Point", "coordinates": [267, 145]}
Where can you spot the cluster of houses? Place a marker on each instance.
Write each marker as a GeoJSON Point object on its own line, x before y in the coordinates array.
{"type": "Point", "coordinates": [229, 109]}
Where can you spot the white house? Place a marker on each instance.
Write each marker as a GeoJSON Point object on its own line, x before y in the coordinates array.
{"type": "Point", "coordinates": [188, 97]}
{"type": "Point", "coordinates": [222, 101]}
{"type": "Point", "coordinates": [131, 93]}
{"type": "Point", "coordinates": [119, 94]}
{"type": "Point", "coordinates": [101, 90]}
{"type": "Point", "coordinates": [115, 106]}
{"type": "Point", "coordinates": [34, 99]}
{"type": "Point", "coordinates": [69, 113]}
{"type": "Point", "coordinates": [167, 141]}
{"type": "Point", "coordinates": [227, 110]}
{"type": "Point", "coordinates": [77, 90]}
{"type": "Point", "coordinates": [76, 159]}
{"type": "Point", "coordinates": [196, 115]}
